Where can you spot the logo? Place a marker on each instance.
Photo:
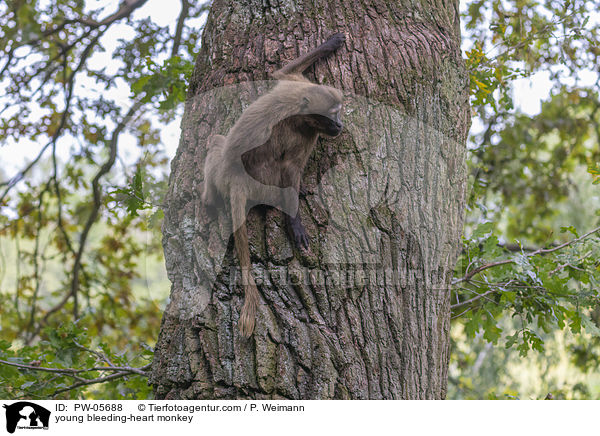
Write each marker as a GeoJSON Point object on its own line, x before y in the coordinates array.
{"type": "Point", "coordinates": [26, 415]}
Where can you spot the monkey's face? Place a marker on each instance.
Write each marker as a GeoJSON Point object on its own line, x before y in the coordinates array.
{"type": "Point", "coordinates": [328, 123]}
{"type": "Point", "coordinates": [322, 106]}
{"type": "Point", "coordinates": [331, 127]}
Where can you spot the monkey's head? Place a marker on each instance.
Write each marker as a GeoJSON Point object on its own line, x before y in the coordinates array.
{"type": "Point", "coordinates": [322, 107]}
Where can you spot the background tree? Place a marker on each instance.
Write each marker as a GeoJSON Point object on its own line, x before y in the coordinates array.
{"type": "Point", "coordinates": [74, 234]}
{"type": "Point", "coordinates": [87, 96]}
{"type": "Point", "coordinates": [387, 337]}
{"type": "Point", "coordinates": [529, 271]}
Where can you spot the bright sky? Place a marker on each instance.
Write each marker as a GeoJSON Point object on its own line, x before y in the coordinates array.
{"type": "Point", "coordinates": [528, 92]}
{"type": "Point", "coordinates": [14, 155]}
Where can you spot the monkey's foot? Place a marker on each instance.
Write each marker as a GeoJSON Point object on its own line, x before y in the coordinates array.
{"type": "Point", "coordinates": [299, 234]}
{"type": "Point", "coordinates": [211, 211]}
{"type": "Point", "coordinates": [335, 41]}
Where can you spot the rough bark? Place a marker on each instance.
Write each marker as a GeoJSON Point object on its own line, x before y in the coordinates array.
{"type": "Point", "coordinates": [384, 207]}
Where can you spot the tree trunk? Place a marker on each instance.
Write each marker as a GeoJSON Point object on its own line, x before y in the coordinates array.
{"type": "Point", "coordinates": [365, 313]}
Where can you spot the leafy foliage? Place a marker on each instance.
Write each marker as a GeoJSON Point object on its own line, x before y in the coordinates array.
{"type": "Point", "coordinates": [530, 263]}
{"type": "Point", "coordinates": [80, 222]}
{"type": "Point", "coordinates": [544, 290]}
{"type": "Point", "coordinates": [64, 366]}
{"type": "Point", "coordinates": [169, 79]}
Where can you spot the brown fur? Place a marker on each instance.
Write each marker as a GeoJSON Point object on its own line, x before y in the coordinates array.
{"type": "Point", "coordinates": [262, 158]}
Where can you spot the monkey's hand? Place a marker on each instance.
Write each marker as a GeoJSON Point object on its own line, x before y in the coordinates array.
{"type": "Point", "coordinates": [335, 41]}
{"type": "Point", "coordinates": [299, 235]}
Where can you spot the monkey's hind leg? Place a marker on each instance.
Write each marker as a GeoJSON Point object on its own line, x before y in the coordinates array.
{"type": "Point", "coordinates": [297, 231]}
{"type": "Point", "coordinates": [211, 199]}
{"type": "Point", "coordinates": [285, 199]}
{"type": "Point", "coordinates": [211, 196]}
{"type": "Point", "coordinates": [240, 236]}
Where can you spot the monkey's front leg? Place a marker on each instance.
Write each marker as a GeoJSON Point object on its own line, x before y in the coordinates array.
{"type": "Point", "coordinates": [297, 231]}
{"type": "Point", "coordinates": [303, 62]}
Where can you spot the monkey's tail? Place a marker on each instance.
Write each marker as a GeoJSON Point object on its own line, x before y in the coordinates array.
{"type": "Point", "coordinates": [240, 236]}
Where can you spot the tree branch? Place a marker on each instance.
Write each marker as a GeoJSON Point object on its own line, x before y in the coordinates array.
{"type": "Point", "coordinates": [106, 167]}
{"type": "Point", "coordinates": [36, 255]}
{"type": "Point", "coordinates": [72, 371]}
{"type": "Point", "coordinates": [119, 371]}
{"type": "Point", "coordinates": [126, 8]}
{"type": "Point", "coordinates": [91, 382]}
{"type": "Point", "coordinates": [185, 6]}
{"type": "Point", "coordinates": [470, 274]}
{"type": "Point", "coordinates": [471, 300]}
{"type": "Point", "coordinates": [63, 120]}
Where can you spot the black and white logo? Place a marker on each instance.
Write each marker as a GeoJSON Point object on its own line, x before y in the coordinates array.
{"type": "Point", "coordinates": [26, 415]}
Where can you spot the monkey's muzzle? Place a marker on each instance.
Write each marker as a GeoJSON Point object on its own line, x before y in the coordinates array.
{"type": "Point", "coordinates": [334, 129]}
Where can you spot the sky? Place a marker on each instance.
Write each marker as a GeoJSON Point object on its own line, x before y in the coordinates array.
{"type": "Point", "coordinates": [528, 92]}
{"type": "Point", "coordinates": [14, 155]}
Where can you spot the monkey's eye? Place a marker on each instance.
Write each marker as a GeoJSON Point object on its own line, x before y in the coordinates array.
{"type": "Point", "coordinates": [335, 110]}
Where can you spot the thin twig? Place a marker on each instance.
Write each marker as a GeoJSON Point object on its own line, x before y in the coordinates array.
{"type": "Point", "coordinates": [471, 300]}
{"type": "Point", "coordinates": [470, 274]}
{"type": "Point", "coordinates": [63, 120]}
{"type": "Point", "coordinates": [106, 167]}
{"type": "Point", "coordinates": [101, 356]}
{"type": "Point", "coordinates": [185, 6]}
{"type": "Point", "coordinates": [91, 382]}
{"type": "Point", "coordinates": [36, 255]}
{"type": "Point", "coordinates": [72, 371]}
{"type": "Point", "coordinates": [121, 371]}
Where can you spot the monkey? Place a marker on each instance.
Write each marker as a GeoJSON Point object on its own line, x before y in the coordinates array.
{"type": "Point", "coordinates": [263, 156]}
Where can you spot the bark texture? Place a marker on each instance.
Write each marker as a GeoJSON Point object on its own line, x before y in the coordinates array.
{"type": "Point", "coordinates": [366, 313]}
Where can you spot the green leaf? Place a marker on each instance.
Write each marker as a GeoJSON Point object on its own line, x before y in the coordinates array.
{"type": "Point", "coordinates": [590, 326]}
{"type": "Point", "coordinates": [569, 229]}
{"type": "Point", "coordinates": [512, 339]}
{"type": "Point", "coordinates": [483, 229]}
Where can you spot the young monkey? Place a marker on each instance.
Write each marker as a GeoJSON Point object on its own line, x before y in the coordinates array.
{"type": "Point", "coordinates": [262, 158]}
